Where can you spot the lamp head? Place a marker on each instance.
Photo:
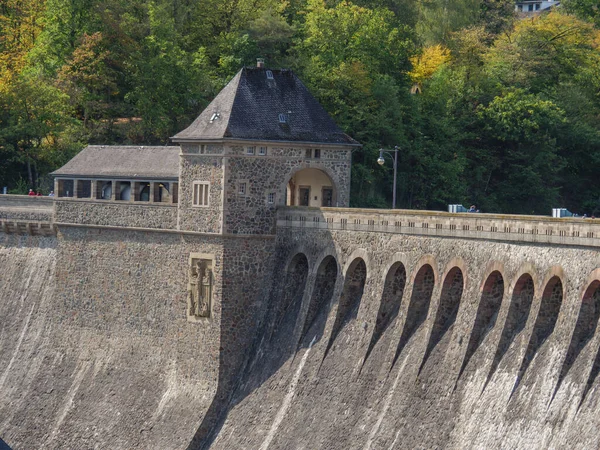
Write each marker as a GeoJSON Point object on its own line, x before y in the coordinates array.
{"type": "Point", "coordinates": [380, 160]}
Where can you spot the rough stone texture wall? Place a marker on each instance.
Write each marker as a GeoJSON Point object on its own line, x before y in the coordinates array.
{"type": "Point", "coordinates": [348, 398]}
{"type": "Point", "coordinates": [250, 213]}
{"type": "Point", "coordinates": [28, 215]}
{"type": "Point", "coordinates": [201, 168]}
{"type": "Point", "coordinates": [327, 338]}
{"type": "Point", "coordinates": [113, 214]}
{"type": "Point", "coordinates": [96, 350]}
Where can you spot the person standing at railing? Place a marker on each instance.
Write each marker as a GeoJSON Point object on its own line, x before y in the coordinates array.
{"type": "Point", "coordinates": [31, 193]}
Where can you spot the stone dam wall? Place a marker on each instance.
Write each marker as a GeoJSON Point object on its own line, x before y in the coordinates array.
{"type": "Point", "coordinates": [407, 341]}
{"type": "Point", "coordinates": [348, 329]}
{"type": "Point", "coordinates": [95, 347]}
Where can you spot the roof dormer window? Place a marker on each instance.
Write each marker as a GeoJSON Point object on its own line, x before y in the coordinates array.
{"type": "Point", "coordinates": [269, 75]}
{"type": "Point", "coordinates": [282, 118]}
{"type": "Point", "coordinates": [214, 117]}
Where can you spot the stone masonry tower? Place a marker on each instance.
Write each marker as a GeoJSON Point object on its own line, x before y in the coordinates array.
{"type": "Point", "coordinates": [264, 141]}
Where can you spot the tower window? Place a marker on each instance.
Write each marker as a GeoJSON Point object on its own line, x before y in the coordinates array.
{"type": "Point", "coordinates": [262, 150]}
{"type": "Point", "coordinates": [308, 153]}
{"type": "Point", "coordinates": [269, 75]}
{"type": "Point", "coordinates": [282, 118]}
{"type": "Point", "coordinates": [242, 189]}
{"type": "Point", "coordinates": [250, 150]}
{"type": "Point", "coordinates": [317, 153]}
{"type": "Point", "coordinates": [271, 198]}
{"type": "Point", "coordinates": [200, 193]}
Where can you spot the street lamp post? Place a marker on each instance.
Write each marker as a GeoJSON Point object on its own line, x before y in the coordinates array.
{"type": "Point", "coordinates": [381, 162]}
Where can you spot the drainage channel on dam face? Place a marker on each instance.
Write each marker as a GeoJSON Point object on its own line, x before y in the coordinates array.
{"type": "Point", "coordinates": [418, 307]}
{"type": "Point", "coordinates": [349, 302]}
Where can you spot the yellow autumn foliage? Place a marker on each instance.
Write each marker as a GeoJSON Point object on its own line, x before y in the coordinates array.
{"type": "Point", "coordinates": [428, 62]}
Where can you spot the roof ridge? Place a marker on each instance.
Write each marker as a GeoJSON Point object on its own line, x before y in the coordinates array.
{"type": "Point", "coordinates": [235, 96]}
{"type": "Point", "coordinates": [255, 105]}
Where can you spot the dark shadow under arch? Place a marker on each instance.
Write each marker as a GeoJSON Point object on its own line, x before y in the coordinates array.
{"type": "Point", "coordinates": [518, 313]}
{"type": "Point", "coordinates": [585, 328]}
{"type": "Point", "coordinates": [354, 285]}
{"type": "Point", "coordinates": [320, 300]}
{"type": "Point", "coordinates": [487, 313]}
{"type": "Point", "coordinates": [544, 324]}
{"type": "Point", "coordinates": [391, 300]}
{"type": "Point", "coordinates": [292, 293]}
{"type": "Point", "coordinates": [418, 308]}
{"type": "Point", "coordinates": [452, 290]}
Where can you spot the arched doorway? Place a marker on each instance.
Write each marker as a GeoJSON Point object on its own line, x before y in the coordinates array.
{"type": "Point", "coordinates": [311, 187]}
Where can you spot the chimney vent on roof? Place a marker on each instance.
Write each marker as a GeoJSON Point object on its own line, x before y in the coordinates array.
{"type": "Point", "coordinates": [260, 63]}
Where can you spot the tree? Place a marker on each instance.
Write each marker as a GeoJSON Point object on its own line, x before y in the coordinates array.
{"type": "Point", "coordinates": [89, 80]}
{"type": "Point", "coordinates": [587, 10]}
{"type": "Point", "coordinates": [427, 63]}
{"type": "Point", "coordinates": [170, 86]}
{"type": "Point", "coordinates": [63, 23]}
{"type": "Point", "coordinates": [35, 117]}
{"type": "Point", "coordinates": [542, 52]}
{"type": "Point", "coordinates": [19, 29]}
{"type": "Point", "coordinates": [522, 129]}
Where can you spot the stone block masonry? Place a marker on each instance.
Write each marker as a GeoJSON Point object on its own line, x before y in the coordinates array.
{"type": "Point", "coordinates": [490, 346]}
{"type": "Point", "coordinates": [96, 347]}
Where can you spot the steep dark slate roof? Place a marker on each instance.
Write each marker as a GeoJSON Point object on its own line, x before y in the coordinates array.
{"type": "Point", "coordinates": [123, 161]}
{"type": "Point", "coordinates": [250, 105]}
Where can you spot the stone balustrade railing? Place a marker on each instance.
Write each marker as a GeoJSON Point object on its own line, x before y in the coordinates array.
{"type": "Point", "coordinates": [21, 214]}
{"type": "Point", "coordinates": [501, 227]}
{"type": "Point", "coordinates": [25, 201]}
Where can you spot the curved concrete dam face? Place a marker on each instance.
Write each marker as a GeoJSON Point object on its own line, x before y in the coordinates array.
{"type": "Point", "coordinates": [317, 338]}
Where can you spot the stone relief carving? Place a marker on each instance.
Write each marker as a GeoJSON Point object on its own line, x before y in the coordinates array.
{"type": "Point", "coordinates": [200, 287]}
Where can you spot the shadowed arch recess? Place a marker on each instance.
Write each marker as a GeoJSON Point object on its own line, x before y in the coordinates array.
{"type": "Point", "coordinates": [324, 287]}
{"type": "Point", "coordinates": [585, 329]}
{"type": "Point", "coordinates": [518, 313]}
{"type": "Point", "coordinates": [354, 285]}
{"type": "Point", "coordinates": [418, 308]}
{"type": "Point", "coordinates": [552, 297]}
{"type": "Point", "coordinates": [293, 291]}
{"type": "Point", "coordinates": [452, 290]}
{"type": "Point", "coordinates": [487, 313]}
{"type": "Point", "coordinates": [391, 299]}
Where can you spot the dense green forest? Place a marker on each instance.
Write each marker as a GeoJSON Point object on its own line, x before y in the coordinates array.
{"type": "Point", "coordinates": [486, 108]}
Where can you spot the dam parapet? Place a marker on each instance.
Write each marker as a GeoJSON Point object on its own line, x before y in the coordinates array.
{"type": "Point", "coordinates": [22, 214]}
{"type": "Point", "coordinates": [495, 227]}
